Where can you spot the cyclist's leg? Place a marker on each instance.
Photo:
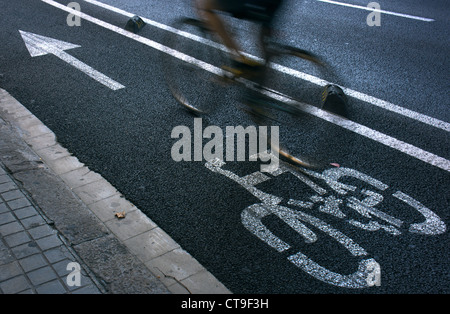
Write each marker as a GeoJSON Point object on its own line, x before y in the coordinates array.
{"type": "Point", "coordinates": [206, 10]}
{"type": "Point", "coordinates": [253, 98]}
{"type": "Point", "coordinates": [271, 7]}
{"type": "Point", "coordinates": [241, 65]}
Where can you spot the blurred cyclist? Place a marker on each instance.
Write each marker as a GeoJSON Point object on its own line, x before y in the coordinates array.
{"type": "Point", "coordinates": [260, 11]}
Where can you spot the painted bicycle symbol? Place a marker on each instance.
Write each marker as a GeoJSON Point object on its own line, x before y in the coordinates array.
{"type": "Point", "coordinates": [368, 271]}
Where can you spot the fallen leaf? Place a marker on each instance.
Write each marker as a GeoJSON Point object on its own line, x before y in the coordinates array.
{"type": "Point", "coordinates": [120, 215]}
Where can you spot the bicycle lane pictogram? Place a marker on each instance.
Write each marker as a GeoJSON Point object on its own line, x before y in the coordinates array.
{"type": "Point", "coordinates": [355, 204]}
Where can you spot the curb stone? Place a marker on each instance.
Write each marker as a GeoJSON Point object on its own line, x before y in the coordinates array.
{"type": "Point", "coordinates": [105, 242]}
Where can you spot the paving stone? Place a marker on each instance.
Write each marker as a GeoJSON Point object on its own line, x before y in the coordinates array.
{"type": "Point", "coordinates": [8, 186]}
{"type": "Point", "coordinates": [9, 270]}
{"type": "Point", "coordinates": [25, 212]}
{"type": "Point", "coordinates": [64, 164]}
{"type": "Point", "coordinates": [3, 208]}
{"type": "Point", "coordinates": [177, 288]}
{"type": "Point", "coordinates": [10, 228]}
{"type": "Point", "coordinates": [33, 262]}
{"type": "Point", "coordinates": [151, 244]}
{"type": "Point", "coordinates": [15, 285]}
{"type": "Point", "coordinates": [18, 238]}
{"type": "Point", "coordinates": [95, 191]}
{"type": "Point", "coordinates": [80, 177]}
{"type": "Point", "coordinates": [42, 275]}
{"type": "Point", "coordinates": [41, 231]}
{"type": "Point", "coordinates": [108, 207]}
{"type": "Point", "coordinates": [57, 254]}
{"type": "Point", "coordinates": [12, 195]}
{"type": "Point", "coordinates": [42, 141]}
{"type": "Point", "coordinates": [204, 282]}
{"type": "Point", "coordinates": [61, 267]}
{"type": "Point", "coordinates": [53, 152]}
{"type": "Point", "coordinates": [33, 222]}
{"type": "Point", "coordinates": [134, 223]}
{"type": "Point", "coordinates": [25, 250]}
{"type": "Point", "coordinates": [91, 289]}
{"type": "Point", "coordinates": [52, 287]}
{"type": "Point", "coordinates": [176, 264]}
{"type": "Point", "coordinates": [6, 256]}
{"type": "Point", "coordinates": [18, 203]}
{"type": "Point", "coordinates": [49, 242]}
{"type": "Point", "coordinates": [6, 218]}
{"type": "Point", "coordinates": [123, 272]}
{"type": "Point", "coordinates": [37, 248]}
{"type": "Point", "coordinates": [4, 178]}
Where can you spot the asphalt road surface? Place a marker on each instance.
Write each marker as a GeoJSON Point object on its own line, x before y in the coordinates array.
{"type": "Point", "coordinates": [377, 224]}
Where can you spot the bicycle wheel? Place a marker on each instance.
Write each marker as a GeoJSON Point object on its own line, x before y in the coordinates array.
{"type": "Point", "coordinates": [193, 69]}
{"type": "Point", "coordinates": [299, 93]}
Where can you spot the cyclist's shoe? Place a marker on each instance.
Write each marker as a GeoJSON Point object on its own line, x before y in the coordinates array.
{"type": "Point", "coordinates": [244, 67]}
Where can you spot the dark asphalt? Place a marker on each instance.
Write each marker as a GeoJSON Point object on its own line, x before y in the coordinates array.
{"type": "Point", "coordinates": [125, 136]}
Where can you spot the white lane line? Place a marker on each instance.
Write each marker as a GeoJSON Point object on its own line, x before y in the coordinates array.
{"type": "Point", "coordinates": [315, 80]}
{"type": "Point", "coordinates": [413, 17]}
{"type": "Point", "coordinates": [143, 40]}
{"type": "Point", "coordinates": [369, 99]}
{"type": "Point", "coordinates": [365, 131]}
{"type": "Point", "coordinates": [379, 137]}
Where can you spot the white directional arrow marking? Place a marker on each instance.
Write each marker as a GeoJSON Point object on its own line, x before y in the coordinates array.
{"type": "Point", "coordinates": [39, 45]}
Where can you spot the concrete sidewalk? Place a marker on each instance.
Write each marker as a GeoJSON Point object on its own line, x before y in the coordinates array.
{"type": "Point", "coordinates": [55, 212]}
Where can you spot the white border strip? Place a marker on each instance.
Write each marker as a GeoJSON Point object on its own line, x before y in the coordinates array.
{"type": "Point", "coordinates": [347, 124]}
{"type": "Point", "coordinates": [315, 80]}
{"type": "Point", "coordinates": [424, 19]}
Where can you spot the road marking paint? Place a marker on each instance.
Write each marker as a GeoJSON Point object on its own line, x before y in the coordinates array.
{"type": "Point", "coordinates": [368, 272]}
{"type": "Point", "coordinates": [365, 131]}
{"type": "Point", "coordinates": [38, 45]}
{"type": "Point", "coordinates": [137, 38]}
{"type": "Point", "coordinates": [424, 19]}
{"type": "Point", "coordinates": [310, 78]}
{"type": "Point", "coordinates": [383, 104]}
{"type": "Point", "coordinates": [379, 137]}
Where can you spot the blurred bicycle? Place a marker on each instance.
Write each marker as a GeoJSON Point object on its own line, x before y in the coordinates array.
{"type": "Point", "coordinates": [273, 94]}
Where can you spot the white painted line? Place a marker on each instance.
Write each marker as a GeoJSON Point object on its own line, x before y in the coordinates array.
{"type": "Point", "coordinates": [38, 45]}
{"type": "Point", "coordinates": [369, 99]}
{"type": "Point", "coordinates": [310, 78]}
{"type": "Point", "coordinates": [365, 131]}
{"type": "Point", "coordinates": [387, 140]}
{"type": "Point", "coordinates": [158, 25]}
{"type": "Point", "coordinates": [137, 38]}
{"type": "Point", "coordinates": [424, 19]}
